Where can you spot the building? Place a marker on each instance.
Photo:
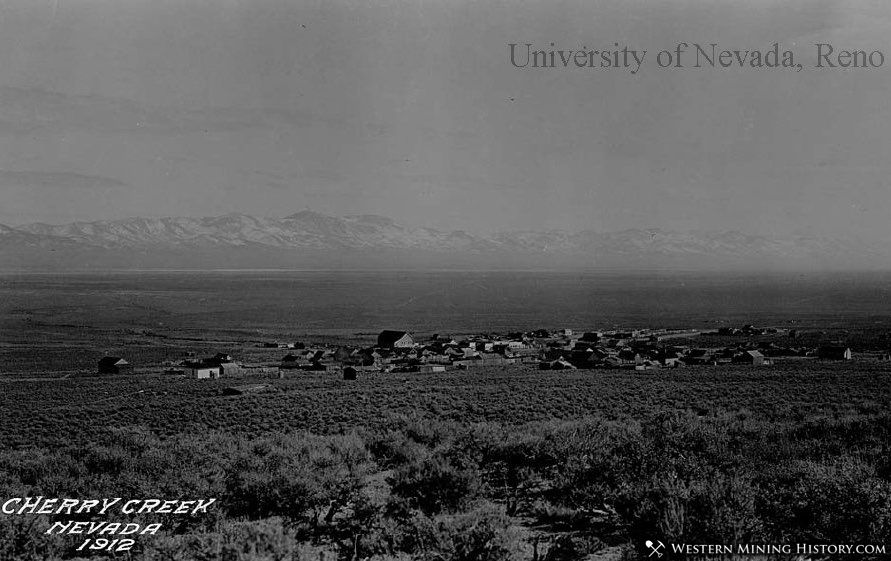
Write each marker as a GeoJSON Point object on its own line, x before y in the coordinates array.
{"type": "Point", "coordinates": [114, 365]}
{"type": "Point", "coordinates": [213, 367]}
{"type": "Point", "coordinates": [428, 368]}
{"type": "Point", "coordinates": [394, 340]}
{"type": "Point", "coordinates": [290, 361]}
{"type": "Point", "coordinates": [320, 367]}
{"type": "Point", "coordinates": [755, 358]}
{"type": "Point", "coordinates": [233, 369]}
{"type": "Point", "coordinates": [204, 372]}
{"type": "Point", "coordinates": [834, 352]}
{"type": "Point", "coordinates": [670, 360]}
{"type": "Point", "coordinates": [698, 357]}
{"type": "Point", "coordinates": [349, 373]}
{"type": "Point", "coordinates": [559, 364]}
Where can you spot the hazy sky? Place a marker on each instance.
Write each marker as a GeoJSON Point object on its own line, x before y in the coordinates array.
{"type": "Point", "coordinates": [117, 108]}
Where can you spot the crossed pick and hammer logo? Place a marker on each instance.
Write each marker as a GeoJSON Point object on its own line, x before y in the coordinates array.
{"type": "Point", "coordinates": [655, 548]}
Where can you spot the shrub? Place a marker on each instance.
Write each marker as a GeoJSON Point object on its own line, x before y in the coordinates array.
{"type": "Point", "coordinates": [433, 485]}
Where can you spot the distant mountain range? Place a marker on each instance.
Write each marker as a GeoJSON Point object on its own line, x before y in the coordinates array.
{"type": "Point", "coordinates": [312, 240]}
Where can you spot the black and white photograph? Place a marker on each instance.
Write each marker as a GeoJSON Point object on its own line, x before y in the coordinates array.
{"type": "Point", "coordinates": [445, 280]}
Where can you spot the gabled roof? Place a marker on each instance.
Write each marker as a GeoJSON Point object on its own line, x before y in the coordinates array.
{"type": "Point", "coordinates": [563, 363]}
{"type": "Point", "coordinates": [113, 361]}
{"type": "Point", "coordinates": [388, 337]}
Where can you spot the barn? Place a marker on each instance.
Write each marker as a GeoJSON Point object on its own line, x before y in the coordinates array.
{"type": "Point", "coordinates": [114, 365]}
{"type": "Point", "coordinates": [394, 340]}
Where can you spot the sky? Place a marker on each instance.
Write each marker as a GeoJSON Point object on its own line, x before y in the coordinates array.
{"type": "Point", "coordinates": [413, 110]}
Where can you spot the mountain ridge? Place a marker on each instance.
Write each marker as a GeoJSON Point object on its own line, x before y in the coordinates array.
{"type": "Point", "coordinates": [378, 241]}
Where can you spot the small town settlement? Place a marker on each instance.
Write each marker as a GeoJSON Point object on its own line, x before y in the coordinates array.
{"type": "Point", "coordinates": [562, 349]}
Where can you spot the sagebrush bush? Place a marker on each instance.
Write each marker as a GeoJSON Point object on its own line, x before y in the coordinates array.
{"type": "Point", "coordinates": [433, 485]}
{"type": "Point", "coordinates": [450, 490]}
